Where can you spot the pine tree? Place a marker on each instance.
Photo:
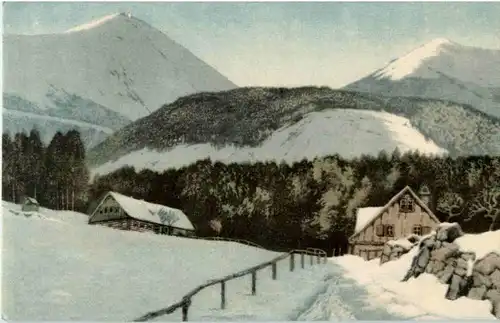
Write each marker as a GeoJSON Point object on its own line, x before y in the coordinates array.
{"type": "Point", "coordinates": [8, 177]}
{"type": "Point", "coordinates": [35, 158]}
{"type": "Point", "coordinates": [53, 165]}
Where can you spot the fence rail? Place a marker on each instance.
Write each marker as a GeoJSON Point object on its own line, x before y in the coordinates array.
{"type": "Point", "coordinates": [185, 302]}
{"type": "Point", "coordinates": [245, 242]}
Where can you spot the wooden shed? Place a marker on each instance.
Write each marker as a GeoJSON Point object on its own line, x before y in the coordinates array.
{"type": "Point", "coordinates": [122, 212]}
{"type": "Point", "coordinates": [405, 214]}
{"type": "Point", "coordinates": [30, 205]}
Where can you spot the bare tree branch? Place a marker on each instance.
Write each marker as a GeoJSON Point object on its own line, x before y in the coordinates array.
{"type": "Point", "coordinates": [450, 203]}
{"type": "Point", "coordinates": [486, 203]}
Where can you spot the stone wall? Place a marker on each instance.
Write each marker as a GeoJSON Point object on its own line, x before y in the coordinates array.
{"type": "Point", "coordinates": [440, 256]}
{"type": "Point", "coordinates": [394, 249]}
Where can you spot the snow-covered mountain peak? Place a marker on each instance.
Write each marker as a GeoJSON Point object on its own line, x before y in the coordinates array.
{"type": "Point", "coordinates": [116, 68]}
{"type": "Point", "coordinates": [409, 63]}
{"type": "Point", "coordinates": [441, 69]}
{"type": "Point", "coordinates": [95, 23]}
{"type": "Point", "coordinates": [436, 42]}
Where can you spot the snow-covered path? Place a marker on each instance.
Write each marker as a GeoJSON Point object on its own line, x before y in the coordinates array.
{"type": "Point", "coordinates": [336, 292]}
{"type": "Point", "coordinates": [319, 293]}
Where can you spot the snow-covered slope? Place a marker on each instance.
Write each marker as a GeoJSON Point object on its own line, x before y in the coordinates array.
{"type": "Point", "coordinates": [55, 267]}
{"type": "Point", "coordinates": [15, 121]}
{"type": "Point", "coordinates": [118, 62]}
{"type": "Point", "coordinates": [441, 69]}
{"type": "Point", "coordinates": [349, 133]}
{"type": "Point", "coordinates": [261, 123]}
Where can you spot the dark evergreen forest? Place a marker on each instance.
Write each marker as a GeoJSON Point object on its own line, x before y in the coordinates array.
{"type": "Point", "coordinates": [56, 175]}
{"type": "Point", "coordinates": [279, 206]}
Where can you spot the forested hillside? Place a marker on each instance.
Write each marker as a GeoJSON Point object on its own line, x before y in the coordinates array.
{"type": "Point", "coordinates": [312, 203]}
{"type": "Point", "coordinates": [56, 175]}
{"type": "Point", "coordinates": [246, 117]}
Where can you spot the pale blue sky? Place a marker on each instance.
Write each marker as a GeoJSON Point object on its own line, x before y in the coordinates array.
{"type": "Point", "coordinates": [284, 43]}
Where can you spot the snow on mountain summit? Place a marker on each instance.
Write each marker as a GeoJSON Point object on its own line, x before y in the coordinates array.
{"type": "Point", "coordinates": [441, 69]}
{"type": "Point", "coordinates": [410, 62]}
{"type": "Point", "coordinates": [93, 23]}
{"type": "Point", "coordinates": [118, 62]}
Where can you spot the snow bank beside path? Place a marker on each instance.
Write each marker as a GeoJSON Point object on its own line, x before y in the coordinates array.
{"type": "Point", "coordinates": [481, 244]}
{"type": "Point", "coordinates": [419, 299]}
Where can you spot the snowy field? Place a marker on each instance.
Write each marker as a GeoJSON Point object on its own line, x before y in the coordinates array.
{"type": "Point", "coordinates": [311, 137]}
{"type": "Point", "coordinates": [56, 267]}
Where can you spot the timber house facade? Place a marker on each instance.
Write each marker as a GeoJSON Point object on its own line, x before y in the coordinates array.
{"type": "Point", "coordinates": [125, 213]}
{"type": "Point", "coordinates": [405, 214]}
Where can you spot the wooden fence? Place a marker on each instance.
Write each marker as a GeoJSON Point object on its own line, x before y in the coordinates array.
{"type": "Point", "coordinates": [245, 242]}
{"type": "Point", "coordinates": [185, 302]}
{"type": "Point", "coordinates": [369, 254]}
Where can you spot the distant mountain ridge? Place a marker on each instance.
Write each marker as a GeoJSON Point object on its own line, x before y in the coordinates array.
{"type": "Point", "coordinates": [236, 121]}
{"type": "Point", "coordinates": [441, 69]}
{"type": "Point", "coordinates": [117, 63]}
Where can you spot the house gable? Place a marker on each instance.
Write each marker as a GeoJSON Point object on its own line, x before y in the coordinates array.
{"type": "Point", "coordinates": [107, 209]}
{"type": "Point", "coordinates": [408, 199]}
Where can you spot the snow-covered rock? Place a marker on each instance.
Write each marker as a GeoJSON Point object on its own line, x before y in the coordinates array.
{"type": "Point", "coordinates": [468, 264]}
{"type": "Point", "coordinates": [394, 249]}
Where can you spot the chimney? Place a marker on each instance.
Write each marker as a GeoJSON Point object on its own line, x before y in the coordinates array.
{"type": "Point", "coordinates": [425, 195]}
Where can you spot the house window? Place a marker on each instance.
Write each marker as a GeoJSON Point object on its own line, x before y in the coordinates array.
{"type": "Point", "coordinates": [406, 204]}
{"type": "Point", "coordinates": [417, 229]}
{"type": "Point", "coordinates": [389, 230]}
{"type": "Point", "coordinates": [384, 230]}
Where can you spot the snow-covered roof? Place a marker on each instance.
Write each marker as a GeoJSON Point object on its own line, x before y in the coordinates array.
{"type": "Point", "coordinates": [31, 200]}
{"type": "Point", "coordinates": [365, 215]}
{"type": "Point", "coordinates": [151, 212]}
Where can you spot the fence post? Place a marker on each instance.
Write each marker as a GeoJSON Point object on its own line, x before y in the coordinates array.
{"type": "Point", "coordinates": [318, 259]}
{"type": "Point", "coordinates": [326, 258]}
{"type": "Point", "coordinates": [311, 258]}
{"type": "Point", "coordinates": [273, 267]}
{"type": "Point", "coordinates": [292, 261]}
{"type": "Point", "coordinates": [254, 282]}
{"type": "Point", "coordinates": [302, 259]}
{"type": "Point", "coordinates": [223, 295]}
{"type": "Point", "coordinates": [185, 308]}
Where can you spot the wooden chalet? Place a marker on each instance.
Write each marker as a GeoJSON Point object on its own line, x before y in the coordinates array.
{"type": "Point", "coordinates": [125, 213]}
{"type": "Point", "coordinates": [405, 214]}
